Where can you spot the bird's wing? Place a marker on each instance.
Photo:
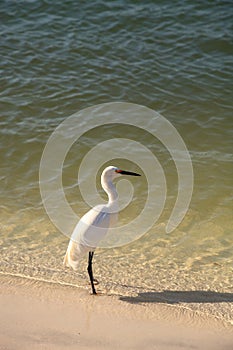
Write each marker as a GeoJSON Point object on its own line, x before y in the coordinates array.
{"type": "Point", "coordinates": [73, 254]}
{"type": "Point", "coordinates": [92, 227]}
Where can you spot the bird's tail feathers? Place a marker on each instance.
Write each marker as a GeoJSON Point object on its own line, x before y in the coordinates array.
{"type": "Point", "coordinates": [65, 261]}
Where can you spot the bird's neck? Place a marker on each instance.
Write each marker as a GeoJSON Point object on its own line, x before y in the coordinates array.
{"type": "Point", "coordinates": [111, 191]}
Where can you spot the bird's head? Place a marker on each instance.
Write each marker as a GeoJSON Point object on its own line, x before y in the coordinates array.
{"type": "Point", "coordinates": [112, 172]}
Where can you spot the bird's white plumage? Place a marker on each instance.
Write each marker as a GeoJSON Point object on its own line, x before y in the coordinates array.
{"type": "Point", "coordinates": [94, 225]}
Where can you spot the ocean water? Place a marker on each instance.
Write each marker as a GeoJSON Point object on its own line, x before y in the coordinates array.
{"type": "Point", "coordinates": [172, 57]}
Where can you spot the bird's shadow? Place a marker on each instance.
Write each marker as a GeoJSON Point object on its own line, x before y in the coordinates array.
{"type": "Point", "coordinates": [176, 297]}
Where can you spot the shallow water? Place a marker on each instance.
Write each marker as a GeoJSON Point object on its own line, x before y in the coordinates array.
{"type": "Point", "coordinates": [175, 59]}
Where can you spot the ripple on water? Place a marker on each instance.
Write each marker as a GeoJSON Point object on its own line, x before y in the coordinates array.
{"type": "Point", "coordinates": [59, 59]}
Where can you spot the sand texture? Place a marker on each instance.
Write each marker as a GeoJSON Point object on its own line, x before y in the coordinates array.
{"type": "Point", "coordinates": [38, 315]}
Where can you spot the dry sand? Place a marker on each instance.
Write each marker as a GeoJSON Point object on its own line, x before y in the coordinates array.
{"type": "Point", "coordinates": [38, 315]}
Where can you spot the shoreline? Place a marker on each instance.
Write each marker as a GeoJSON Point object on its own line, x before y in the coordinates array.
{"type": "Point", "coordinates": [38, 315]}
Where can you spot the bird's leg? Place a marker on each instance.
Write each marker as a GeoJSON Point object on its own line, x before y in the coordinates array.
{"type": "Point", "coordinates": [95, 281]}
{"type": "Point", "coordinates": [89, 269]}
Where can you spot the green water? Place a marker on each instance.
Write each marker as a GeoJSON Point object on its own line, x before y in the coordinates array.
{"type": "Point", "coordinates": [173, 57]}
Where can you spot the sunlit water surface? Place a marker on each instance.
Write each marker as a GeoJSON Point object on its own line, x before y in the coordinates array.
{"type": "Point", "coordinates": [175, 59]}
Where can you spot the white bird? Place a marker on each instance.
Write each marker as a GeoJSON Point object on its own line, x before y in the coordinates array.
{"type": "Point", "coordinates": [94, 225]}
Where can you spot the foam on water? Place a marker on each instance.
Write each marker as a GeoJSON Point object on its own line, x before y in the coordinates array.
{"type": "Point", "coordinates": [176, 59]}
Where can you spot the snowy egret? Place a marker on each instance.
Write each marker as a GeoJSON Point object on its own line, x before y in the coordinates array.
{"type": "Point", "coordinates": [94, 225]}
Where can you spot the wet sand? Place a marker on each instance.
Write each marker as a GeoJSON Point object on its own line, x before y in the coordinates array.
{"type": "Point", "coordinates": [38, 315]}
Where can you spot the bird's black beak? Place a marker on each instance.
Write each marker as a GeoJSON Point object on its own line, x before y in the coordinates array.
{"type": "Point", "coordinates": [123, 172]}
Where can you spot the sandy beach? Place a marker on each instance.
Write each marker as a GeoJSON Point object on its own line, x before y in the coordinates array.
{"type": "Point", "coordinates": [146, 87]}
{"type": "Point", "coordinates": [39, 315]}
